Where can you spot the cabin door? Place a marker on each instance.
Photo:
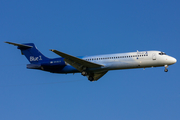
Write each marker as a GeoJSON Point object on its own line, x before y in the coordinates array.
{"type": "Point", "coordinates": [154, 56]}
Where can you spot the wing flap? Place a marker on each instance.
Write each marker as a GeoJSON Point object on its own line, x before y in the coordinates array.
{"type": "Point", "coordinates": [99, 75]}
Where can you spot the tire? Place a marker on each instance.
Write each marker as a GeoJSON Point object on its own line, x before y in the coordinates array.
{"type": "Point", "coordinates": [165, 70]}
{"type": "Point", "coordinates": [91, 78]}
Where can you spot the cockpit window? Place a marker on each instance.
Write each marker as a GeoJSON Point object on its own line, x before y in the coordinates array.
{"type": "Point", "coordinates": [162, 53]}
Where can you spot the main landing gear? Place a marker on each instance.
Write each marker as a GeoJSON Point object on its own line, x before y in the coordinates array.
{"type": "Point", "coordinates": [91, 78]}
{"type": "Point", "coordinates": [90, 75]}
{"type": "Point", "coordinates": [166, 70]}
{"type": "Point", "coordinates": [84, 73]}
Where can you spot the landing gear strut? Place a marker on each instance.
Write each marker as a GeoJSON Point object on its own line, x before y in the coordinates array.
{"type": "Point", "coordinates": [166, 70]}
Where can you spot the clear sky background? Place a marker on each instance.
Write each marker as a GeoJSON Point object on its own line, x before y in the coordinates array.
{"type": "Point", "coordinates": [80, 27]}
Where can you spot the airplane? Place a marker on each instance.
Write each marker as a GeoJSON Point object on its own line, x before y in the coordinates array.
{"type": "Point", "coordinates": [93, 67]}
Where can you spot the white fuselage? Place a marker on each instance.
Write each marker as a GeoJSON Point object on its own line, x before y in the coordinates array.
{"type": "Point", "coordinates": [131, 60]}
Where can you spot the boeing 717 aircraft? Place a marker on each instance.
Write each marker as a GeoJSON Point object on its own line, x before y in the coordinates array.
{"type": "Point", "coordinates": [94, 67]}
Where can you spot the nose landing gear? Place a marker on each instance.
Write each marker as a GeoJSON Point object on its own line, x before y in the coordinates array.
{"type": "Point", "coordinates": [166, 70]}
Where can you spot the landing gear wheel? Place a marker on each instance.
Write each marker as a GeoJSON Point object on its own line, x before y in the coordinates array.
{"type": "Point", "coordinates": [84, 73]}
{"type": "Point", "coordinates": [165, 70]}
{"type": "Point", "coordinates": [91, 78]}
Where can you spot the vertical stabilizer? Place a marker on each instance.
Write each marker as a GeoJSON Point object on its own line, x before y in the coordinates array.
{"type": "Point", "coordinates": [31, 52]}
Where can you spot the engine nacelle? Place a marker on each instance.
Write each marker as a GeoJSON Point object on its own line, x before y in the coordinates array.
{"type": "Point", "coordinates": [33, 66]}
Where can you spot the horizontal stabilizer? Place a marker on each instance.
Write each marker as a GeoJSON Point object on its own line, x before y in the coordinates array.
{"type": "Point", "coordinates": [20, 45]}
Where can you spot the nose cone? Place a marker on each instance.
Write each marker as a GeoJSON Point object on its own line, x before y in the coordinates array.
{"type": "Point", "coordinates": [173, 60]}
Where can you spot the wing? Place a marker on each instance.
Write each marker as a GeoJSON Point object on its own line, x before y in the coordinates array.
{"type": "Point", "coordinates": [77, 63]}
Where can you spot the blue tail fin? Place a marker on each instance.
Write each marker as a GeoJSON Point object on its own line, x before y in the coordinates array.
{"type": "Point", "coordinates": [32, 53]}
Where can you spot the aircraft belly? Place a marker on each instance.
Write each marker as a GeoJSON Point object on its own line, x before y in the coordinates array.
{"type": "Point", "coordinates": [123, 64]}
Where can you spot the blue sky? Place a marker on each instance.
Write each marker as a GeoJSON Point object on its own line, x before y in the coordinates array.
{"type": "Point", "coordinates": [88, 28]}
